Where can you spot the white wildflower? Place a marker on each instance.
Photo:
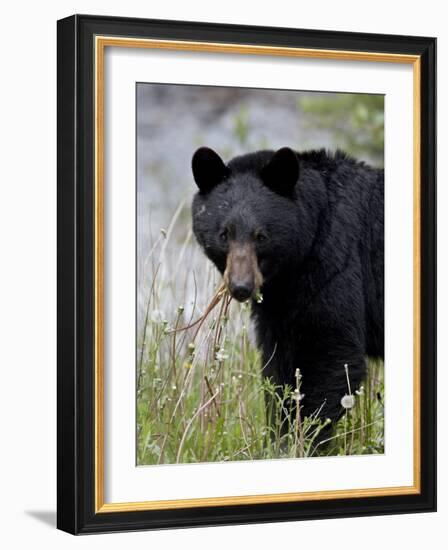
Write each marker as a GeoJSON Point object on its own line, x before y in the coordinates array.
{"type": "Point", "coordinates": [221, 355]}
{"type": "Point", "coordinates": [348, 401]}
{"type": "Point", "coordinates": [297, 395]}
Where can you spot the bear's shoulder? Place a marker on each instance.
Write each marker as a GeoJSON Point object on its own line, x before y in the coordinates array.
{"type": "Point", "coordinates": [323, 160]}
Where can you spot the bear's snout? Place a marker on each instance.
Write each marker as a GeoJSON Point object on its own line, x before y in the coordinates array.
{"type": "Point", "coordinates": [241, 291]}
{"type": "Point", "coordinates": [242, 275]}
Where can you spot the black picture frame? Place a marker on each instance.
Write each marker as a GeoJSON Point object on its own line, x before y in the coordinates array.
{"type": "Point", "coordinates": [76, 255]}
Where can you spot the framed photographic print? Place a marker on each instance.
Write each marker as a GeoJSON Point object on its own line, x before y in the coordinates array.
{"type": "Point", "coordinates": [246, 274]}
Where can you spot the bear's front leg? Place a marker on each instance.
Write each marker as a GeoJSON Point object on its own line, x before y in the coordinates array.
{"type": "Point", "coordinates": [326, 378]}
{"type": "Point", "coordinates": [274, 396]}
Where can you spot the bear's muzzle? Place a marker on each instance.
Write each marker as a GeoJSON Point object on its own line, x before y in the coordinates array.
{"type": "Point", "coordinates": [242, 275]}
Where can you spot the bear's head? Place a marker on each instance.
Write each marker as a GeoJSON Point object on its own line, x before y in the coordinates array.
{"type": "Point", "coordinates": [245, 216]}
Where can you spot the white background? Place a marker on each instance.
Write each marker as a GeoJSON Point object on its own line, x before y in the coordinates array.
{"type": "Point", "coordinates": [28, 273]}
{"type": "Point", "coordinates": [123, 481]}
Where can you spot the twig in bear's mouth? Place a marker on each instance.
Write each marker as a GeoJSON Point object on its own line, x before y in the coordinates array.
{"type": "Point", "coordinates": [221, 293]}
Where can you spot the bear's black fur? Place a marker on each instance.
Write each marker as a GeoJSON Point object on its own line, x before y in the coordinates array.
{"type": "Point", "coordinates": [306, 230]}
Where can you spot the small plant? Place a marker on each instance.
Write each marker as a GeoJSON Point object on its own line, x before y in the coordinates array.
{"type": "Point", "coordinates": [241, 126]}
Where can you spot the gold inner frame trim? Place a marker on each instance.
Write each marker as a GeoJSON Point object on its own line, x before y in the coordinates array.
{"type": "Point", "coordinates": [101, 42]}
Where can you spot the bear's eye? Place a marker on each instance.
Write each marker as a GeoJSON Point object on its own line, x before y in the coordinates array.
{"type": "Point", "coordinates": [224, 235]}
{"type": "Point", "coordinates": [261, 237]}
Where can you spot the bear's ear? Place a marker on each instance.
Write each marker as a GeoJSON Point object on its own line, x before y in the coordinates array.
{"type": "Point", "coordinates": [282, 172]}
{"type": "Point", "coordinates": [208, 169]}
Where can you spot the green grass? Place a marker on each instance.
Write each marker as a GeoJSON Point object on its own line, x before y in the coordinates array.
{"type": "Point", "coordinates": [200, 392]}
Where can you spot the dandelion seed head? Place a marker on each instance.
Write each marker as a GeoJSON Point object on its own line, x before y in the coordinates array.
{"type": "Point", "coordinates": [348, 401]}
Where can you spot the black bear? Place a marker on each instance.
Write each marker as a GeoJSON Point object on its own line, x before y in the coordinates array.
{"type": "Point", "coordinates": [306, 231]}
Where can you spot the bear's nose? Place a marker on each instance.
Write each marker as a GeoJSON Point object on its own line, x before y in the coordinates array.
{"type": "Point", "coordinates": [241, 291]}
